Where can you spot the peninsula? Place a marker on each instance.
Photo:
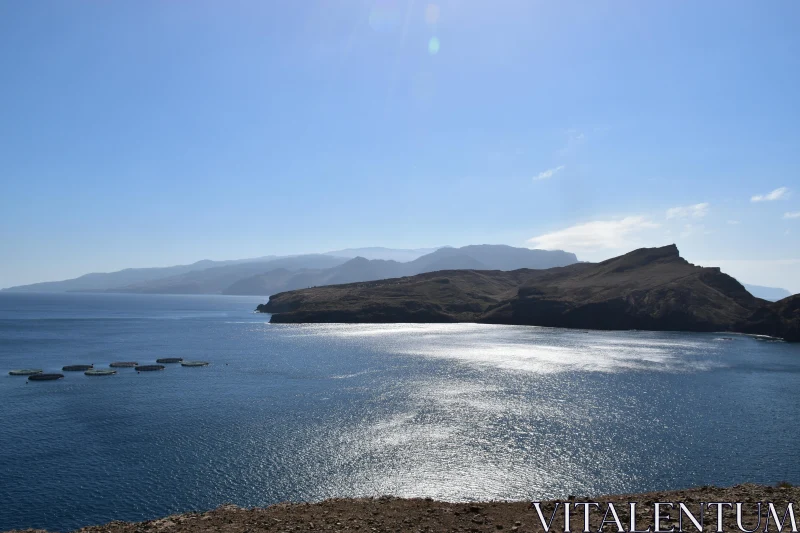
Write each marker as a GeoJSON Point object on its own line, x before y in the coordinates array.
{"type": "Point", "coordinates": [649, 288]}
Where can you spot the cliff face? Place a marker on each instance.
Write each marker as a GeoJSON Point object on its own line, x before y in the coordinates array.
{"type": "Point", "coordinates": [779, 319]}
{"type": "Point", "coordinates": [650, 288]}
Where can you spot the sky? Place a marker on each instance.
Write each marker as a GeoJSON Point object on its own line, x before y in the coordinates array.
{"type": "Point", "coordinates": [154, 133]}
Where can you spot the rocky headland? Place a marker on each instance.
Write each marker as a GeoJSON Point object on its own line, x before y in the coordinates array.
{"type": "Point", "coordinates": [649, 289]}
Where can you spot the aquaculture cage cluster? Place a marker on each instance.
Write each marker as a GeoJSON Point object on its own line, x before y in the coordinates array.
{"type": "Point", "coordinates": [38, 374]}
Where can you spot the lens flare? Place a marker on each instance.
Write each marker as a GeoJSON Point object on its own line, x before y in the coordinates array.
{"type": "Point", "coordinates": [432, 14]}
{"type": "Point", "coordinates": [433, 46]}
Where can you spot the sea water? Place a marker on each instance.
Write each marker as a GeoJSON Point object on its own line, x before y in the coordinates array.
{"type": "Point", "coordinates": [307, 412]}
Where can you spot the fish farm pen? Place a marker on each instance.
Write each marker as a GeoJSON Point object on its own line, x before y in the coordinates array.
{"type": "Point", "coordinates": [37, 374]}
{"type": "Point", "coordinates": [169, 360]}
{"type": "Point", "coordinates": [45, 377]}
{"type": "Point", "coordinates": [77, 368]}
{"type": "Point", "coordinates": [149, 368]}
{"type": "Point", "coordinates": [25, 372]}
{"type": "Point", "coordinates": [100, 372]}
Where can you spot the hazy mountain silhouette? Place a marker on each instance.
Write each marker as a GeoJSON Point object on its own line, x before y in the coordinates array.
{"type": "Point", "coordinates": [773, 294]}
{"type": "Point", "coordinates": [174, 279]}
{"type": "Point", "coordinates": [101, 281]}
{"type": "Point", "coordinates": [361, 269]}
{"type": "Point", "coordinates": [491, 257]}
{"type": "Point", "coordinates": [357, 269]}
{"type": "Point", "coordinates": [378, 252]}
{"type": "Point", "coordinates": [216, 280]}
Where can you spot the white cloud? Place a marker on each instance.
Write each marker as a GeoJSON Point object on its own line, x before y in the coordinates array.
{"type": "Point", "coordinates": [733, 222]}
{"type": "Point", "coordinates": [549, 173]}
{"type": "Point", "coordinates": [796, 214]}
{"type": "Point", "coordinates": [575, 138]}
{"type": "Point", "coordinates": [689, 211]}
{"type": "Point", "coordinates": [597, 235]}
{"type": "Point", "coordinates": [778, 193]}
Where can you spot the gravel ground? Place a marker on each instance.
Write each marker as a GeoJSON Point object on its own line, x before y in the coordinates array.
{"type": "Point", "coordinates": [388, 514]}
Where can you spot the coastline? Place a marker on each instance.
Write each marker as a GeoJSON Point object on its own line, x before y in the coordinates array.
{"type": "Point", "coordinates": [652, 289]}
{"type": "Point", "coordinates": [390, 514]}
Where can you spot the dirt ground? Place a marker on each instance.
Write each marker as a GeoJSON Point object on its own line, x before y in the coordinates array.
{"type": "Point", "coordinates": [388, 514]}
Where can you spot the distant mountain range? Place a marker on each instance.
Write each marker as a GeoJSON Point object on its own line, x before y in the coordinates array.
{"type": "Point", "coordinates": [773, 294]}
{"type": "Point", "coordinates": [479, 257]}
{"type": "Point", "coordinates": [130, 276]}
{"type": "Point", "coordinates": [268, 275]}
{"type": "Point", "coordinates": [218, 279]}
{"type": "Point", "coordinates": [379, 252]}
{"type": "Point", "coordinates": [650, 288]}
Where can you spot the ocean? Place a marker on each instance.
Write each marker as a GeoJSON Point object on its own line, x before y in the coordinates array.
{"type": "Point", "coordinates": [308, 412]}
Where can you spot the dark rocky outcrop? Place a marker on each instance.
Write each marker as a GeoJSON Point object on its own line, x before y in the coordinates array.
{"type": "Point", "coordinates": [779, 319]}
{"type": "Point", "coordinates": [650, 288]}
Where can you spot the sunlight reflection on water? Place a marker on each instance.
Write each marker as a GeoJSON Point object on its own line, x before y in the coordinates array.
{"type": "Point", "coordinates": [305, 412]}
{"type": "Point", "coordinates": [539, 350]}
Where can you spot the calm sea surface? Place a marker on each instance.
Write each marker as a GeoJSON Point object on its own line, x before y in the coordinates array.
{"type": "Point", "coordinates": [288, 412]}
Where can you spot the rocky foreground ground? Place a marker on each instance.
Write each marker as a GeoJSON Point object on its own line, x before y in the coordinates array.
{"type": "Point", "coordinates": [387, 514]}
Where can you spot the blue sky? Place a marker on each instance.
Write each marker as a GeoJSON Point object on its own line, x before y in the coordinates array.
{"type": "Point", "coordinates": [153, 133]}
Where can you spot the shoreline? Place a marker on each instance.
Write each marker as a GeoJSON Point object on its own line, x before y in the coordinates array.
{"type": "Point", "coordinates": [560, 328]}
{"type": "Point", "coordinates": [392, 514]}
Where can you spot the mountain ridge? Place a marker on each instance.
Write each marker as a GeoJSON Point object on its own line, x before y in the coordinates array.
{"type": "Point", "coordinates": [360, 269]}
{"type": "Point", "coordinates": [98, 281]}
{"type": "Point", "coordinates": [381, 252]}
{"type": "Point", "coordinates": [649, 288]}
{"type": "Point", "coordinates": [281, 273]}
{"type": "Point", "coordinates": [772, 294]}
